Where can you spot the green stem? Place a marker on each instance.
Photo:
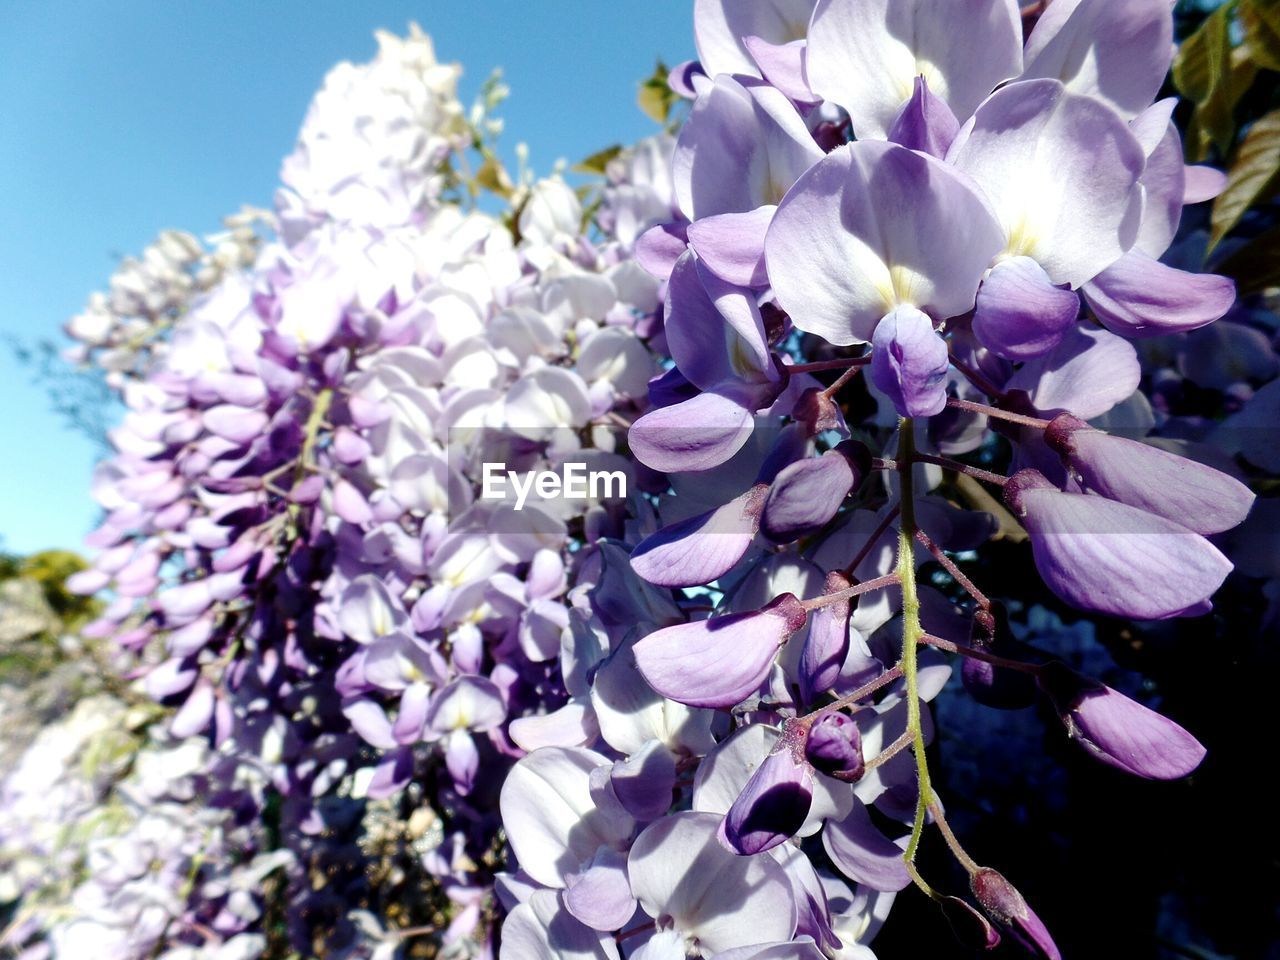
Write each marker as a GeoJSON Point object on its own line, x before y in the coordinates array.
{"type": "Point", "coordinates": [911, 629]}
{"type": "Point", "coordinates": [319, 410]}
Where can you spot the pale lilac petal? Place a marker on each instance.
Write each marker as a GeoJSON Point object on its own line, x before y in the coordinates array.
{"type": "Point", "coordinates": [783, 65]}
{"type": "Point", "coordinates": [350, 504]}
{"type": "Point", "coordinates": [1140, 297]}
{"type": "Point", "coordinates": [1197, 496]}
{"type": "Point", "coordinates": [660, 247]}
{"type": "Point", "coordinates": [462, 760]}
{"type": "Point", "coordinates": [732, 245]}
{"type": "Point", "coordinates": [1202, 183]}
{"type": "Point", "coordinates": [1164, 186]}
{"type": "Point", "coordinates": [1119, 731]}
{"type": "Point", "coordinates": [930, 254]}
{"type": "Point", "coordinates": [1108, 557]}
{"type": "Point", "coordinates": [234, 423]}
{"type": "Point", "coordinates": [925, 122]}
{"type": "Point", "coordinates": [742, 147]}
{"type": "Point", "coordinates": [702, 548]}
{"type": "Point", "coordinates": [468, 703]}
{"type": "Point", "coordinates": [865, 54]}
{"type": "Point", "coordinates": [794, 950]}
{"type": "Point", "coordinates": [909, 363]}
{"type": "Point", "coordinates": [694, 435]}
{"type": "Point", "coordinates": [720, 26]}
{"type": "Point", "coordinates": [827, 643]}
{"type": "Point", "coordinates": [1118, 52]}
{"type": "Point", "coordinates": [1087, 374]}
{"type": "Point", "coordinates": [680, 871]}
{"type": "Point", "coordinates": [1020, 314]}
{"type": "Point", "coordinates": [367, 611]}
{"type": "Point", "coordinates": [541, 929]}
{"type": "Point", "coordinates": [600, 896]}
{"type": "Point", "coordinates": [412, 717]}
{"type": "Point", "coordinates": [1062, 174]}
{"type": "Point", "coordinates": [195, 713]}
{"type": "Point", "coordinates": [370, 721]}
{"type": "Point", "coordinates": [863, 853]}
{"type": "Point", "coordinates": [552, 823]}
{"type": "Point", "coordinates": [573, 725]}
{"type": "Point", "coordinates": [632, 715]}
{"type": "Point", "coordinates": [772, 806]}
{"type": "Point", "coordinates": [714, 329]}
{"type": "Point", "coordinates": [721, 661]}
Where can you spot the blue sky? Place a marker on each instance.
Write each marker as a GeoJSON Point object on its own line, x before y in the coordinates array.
{"type": "Point", "coordinates": [118, 120]}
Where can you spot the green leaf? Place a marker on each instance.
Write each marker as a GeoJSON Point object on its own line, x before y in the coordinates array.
{"type": "Point", "coordinates": [1251, 178]}
{"type": "Point", "coordinates": [1204, 72]}
{"type": "Point", "coordinates": [492, 176]}
{"type": "Point", "coordinates": [1262, 31]}
{"type": "Point", "coordinates": [597, 162]}
{"type": "Point", "coordinates": [656, 98]}
{"type": "Point", "coordinates": [1256, 265]}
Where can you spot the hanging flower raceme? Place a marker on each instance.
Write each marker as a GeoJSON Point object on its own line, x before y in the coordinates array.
{"type": "Point", "coordinates": [697, 711]}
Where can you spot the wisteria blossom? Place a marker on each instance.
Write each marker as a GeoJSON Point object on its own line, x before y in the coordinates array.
{"type": "Point", "coordinates": [889, 291]}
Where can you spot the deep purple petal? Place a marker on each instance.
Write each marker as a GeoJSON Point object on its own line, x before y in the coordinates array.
{"type": "Point", "coordinates": [909, 363]}
{"type": "Point", "coordinates": [1020, 314]}
{"type": "Point", "coordinates": [925, 123]}
{"type": "Point", "coordinates": [827, 643]}
{"type": "Point", "coordinates": [805, 495]}
{"type": "Point", "coordinates": [772, 806]}
{"type": "Point", "coordinates": [835, 747]}
{"type": "Point", "coordinates": [1005, 905]}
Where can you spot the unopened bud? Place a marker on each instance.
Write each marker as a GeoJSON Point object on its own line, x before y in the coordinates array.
{"type": "Point", "coordinates": [834, 747]}
{"type": "Point", "coordinates": [1002, 902]}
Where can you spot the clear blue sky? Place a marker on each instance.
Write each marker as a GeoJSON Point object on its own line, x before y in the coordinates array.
{"type": "Point", "coordinates": [120, 119]}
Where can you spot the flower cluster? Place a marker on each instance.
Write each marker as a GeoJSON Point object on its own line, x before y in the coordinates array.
{"type": "Point", "coordinates": [295, 542]}
{"type": "Point", "coordinates": [973, 216]}
{"type": "Point", "coordinates": [690, 719]}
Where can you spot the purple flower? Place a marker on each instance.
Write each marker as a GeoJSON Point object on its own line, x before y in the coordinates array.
{"type": "Point", "coordinates": [1141, 475]}
{"type": "Point", "coordinates": [1120, 732]}
{"type": "Point", "coordinates": [909, 363]}
{"type": "Point", "coordinates": [1097, 554]}
{"type": "Point", "coordinates": [721, 661]}
{"type": "Point", "coordinates": [1005, 905]}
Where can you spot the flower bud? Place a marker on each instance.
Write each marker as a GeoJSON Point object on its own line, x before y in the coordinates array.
{"type": "Point", "coordinates": [1002, 902]}
{"type": "Point", "coordinates": [775, 801]}
{"type": "Point", "coordinates": [834, 747]}
{"type": "Point", "coordinates": [1120, 732]}
{"type": "Point", "coordinates": [970, 927]}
